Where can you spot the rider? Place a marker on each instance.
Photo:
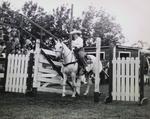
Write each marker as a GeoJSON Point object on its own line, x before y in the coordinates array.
{"type": "Point", "coordinates": [77, 47]}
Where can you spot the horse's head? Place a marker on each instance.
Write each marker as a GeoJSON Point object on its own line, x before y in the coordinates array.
{"type": "Point", "coordinates": [58, 49]}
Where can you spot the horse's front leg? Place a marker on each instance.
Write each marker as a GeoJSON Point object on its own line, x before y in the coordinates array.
{"type": "Point", "coordinates": [73, 75]}
{"type": "Point", "coordinates": [64, 85]}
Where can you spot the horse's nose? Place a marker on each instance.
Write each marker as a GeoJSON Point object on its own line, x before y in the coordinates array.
{"type": "Point", "coordinates": [57, 54]}
{"type": "Point", "coordinates": [58, 58]}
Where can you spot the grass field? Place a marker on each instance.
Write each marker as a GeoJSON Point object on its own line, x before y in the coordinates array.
{"type": "Point", "coordinates": [53, 106]}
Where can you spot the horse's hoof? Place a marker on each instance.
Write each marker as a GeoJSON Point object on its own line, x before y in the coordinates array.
{"type": "Point", "coordinates": [84, 82]}
{"type": "Point", "coordinates": [63, 95]}
{"type": "Point", "coordinates": [77, 92]}
{"type": "Point", "coordinates": [77, 95]}
{"type": "Point", "coordinates": [85, 94]}
{"type": "Point", "coordinates": [100, 93]}
{"type": "Point", "coordinates": [73, 96]}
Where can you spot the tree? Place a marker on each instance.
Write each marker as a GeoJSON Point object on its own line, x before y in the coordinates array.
{"type": "Point", "coordinates": [37, 14]}
{"type": "Point", "coordinates": [94, 23]}
{"type": "Point", "coordinates": [101, 24]}
{"type": "Point", "coordinates": [11, 33]}
{"type": "Point", "coordinates": [62, 22]}
{"type": "Point", "coordinates": [58, 23]}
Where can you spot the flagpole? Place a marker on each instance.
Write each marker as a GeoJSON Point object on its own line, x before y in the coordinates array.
{"type": "Point", "coordinates": [71, 27]}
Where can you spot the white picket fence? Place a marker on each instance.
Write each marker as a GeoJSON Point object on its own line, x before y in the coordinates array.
{"type": "Point", "coordinates": [126, 79]}
{"type": "Point", "coordinates": [16, 73]}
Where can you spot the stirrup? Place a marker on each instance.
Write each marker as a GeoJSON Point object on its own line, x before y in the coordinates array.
{"type": "Point", "coordinates": [83, 70]}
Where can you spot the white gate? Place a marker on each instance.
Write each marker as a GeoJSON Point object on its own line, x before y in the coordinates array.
{"type": "Point", "coordinates": [126, 79]}
{"type": "Point", "coordinates": [45, 78]}
{"type": "Point", "coordinates": [17, 73]}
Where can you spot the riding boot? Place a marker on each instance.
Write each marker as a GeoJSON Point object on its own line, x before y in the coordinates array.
{"type": "Point", "coordinates": [84, 63]}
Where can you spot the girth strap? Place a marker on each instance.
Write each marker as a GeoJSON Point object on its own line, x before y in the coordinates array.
{"type": "Point", "coordinates": [69, 63]}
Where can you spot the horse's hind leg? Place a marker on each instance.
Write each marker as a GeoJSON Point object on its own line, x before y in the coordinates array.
{"type": "Point", "coordinates": [79, 84]}
{"type": "Point", "coordinates": [89, 82]}
{"type": "Point", "coordinates": [64, 85]}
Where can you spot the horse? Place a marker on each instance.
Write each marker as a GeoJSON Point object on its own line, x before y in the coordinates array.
{"type": "Point", "coordinates": [70, 67]}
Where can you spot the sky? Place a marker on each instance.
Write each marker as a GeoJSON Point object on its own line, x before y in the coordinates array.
{"type": "Point", "coordinates": [132, 15]}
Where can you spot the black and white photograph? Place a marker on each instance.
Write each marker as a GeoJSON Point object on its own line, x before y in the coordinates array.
{"type": "Point", "coordinates": [74, 59]}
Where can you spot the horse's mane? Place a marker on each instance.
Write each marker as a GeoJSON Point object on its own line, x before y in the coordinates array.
{"type": "Point", "coordinates": [65, 46]}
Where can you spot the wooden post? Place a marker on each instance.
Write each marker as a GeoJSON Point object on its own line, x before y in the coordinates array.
{"type": "Point", "coordinates": [112, 55]}
{"type": "Point", "coordinates": [142, 62]}
{"type": "Point", "coordinates": [142, 100]}
{"type": "Point", "coordinates": [30, 78]}
{"type": "Point", "coordinates": [114, 52]}
{"type": "Point", "coordinates": [3, 75]}
{"type": "Point", "coordinates": [71, 26]}
{"type": "Point", "coordinates": [36, 56]}
{"type": "Point", "coordinates": [97, 68]}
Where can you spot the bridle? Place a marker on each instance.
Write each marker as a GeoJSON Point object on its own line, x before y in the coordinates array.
{"type": "Point", "coordinates": [64, 56]}
{"type": "Point", "coordinates": [61, 51]}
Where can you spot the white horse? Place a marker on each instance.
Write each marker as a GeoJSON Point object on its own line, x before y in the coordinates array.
{"type": "Point", "coordinates": [71, 67]}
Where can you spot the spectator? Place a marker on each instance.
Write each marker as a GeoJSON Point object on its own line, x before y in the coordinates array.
{"type": "Point", "coordinates": [2, 46]}
{"type": "Point", "coordinates": [90, 42]}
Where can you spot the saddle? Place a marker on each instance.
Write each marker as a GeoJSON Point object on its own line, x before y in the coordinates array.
{"type": "Point", "coordinates": [83, 62]}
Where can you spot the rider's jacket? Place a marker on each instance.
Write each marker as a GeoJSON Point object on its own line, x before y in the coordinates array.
{"type": "Point", "coordinates": [77, 43]}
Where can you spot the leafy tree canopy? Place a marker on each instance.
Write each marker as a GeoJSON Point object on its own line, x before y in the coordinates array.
{"type": "Point", "coordinates": [93, 23]}
{"type": "Point", "coordinates": [101, 24]}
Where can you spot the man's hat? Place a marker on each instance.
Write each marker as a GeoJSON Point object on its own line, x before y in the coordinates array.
{"type": "Point", "coordinates": [75, 32]}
